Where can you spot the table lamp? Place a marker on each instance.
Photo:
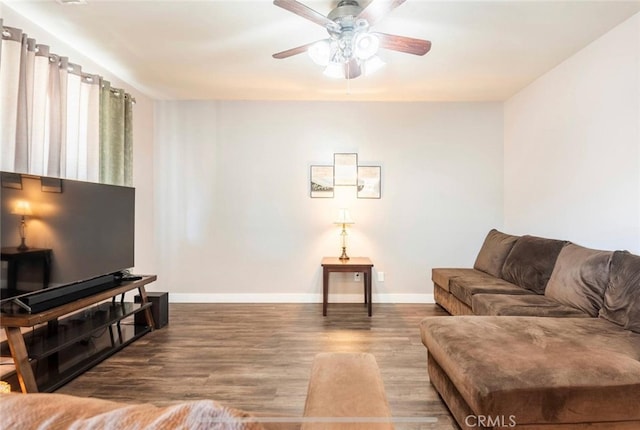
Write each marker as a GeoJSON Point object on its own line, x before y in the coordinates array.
{"type": "Point", "coordinates": [23, 209]}
{"type": "Point", "coordinates": [344, 218]}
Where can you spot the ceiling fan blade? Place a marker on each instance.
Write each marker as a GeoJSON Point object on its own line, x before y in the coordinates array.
{"type": "Point", "coordinates": [293, 51]}
{"type": "Point", "coordinates": [378, 9]}
{"type": "Point", "coordinates": [304, 11]}
{"type": "Point", "coordinates": [404, 44]}
{"type": "Point", "coordinates": [352, 69]}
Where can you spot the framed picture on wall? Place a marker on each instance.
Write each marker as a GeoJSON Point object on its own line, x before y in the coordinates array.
{"type": "Point", "coordinates": [369, 182]}
{"type": "Point", "coordinates": [51, 185]}
{"type": "Point", "coordinates": [11, 180]}
{"type": "Point", "coordinates": [345, 169]}
{"type": "Point", "coordinates": [321, 182]}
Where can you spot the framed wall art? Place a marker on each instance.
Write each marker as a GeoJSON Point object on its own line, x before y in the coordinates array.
{"type": "Point", "coordinates": [345, 169]}
{"type": "Point", "coordinates": [321, 182]}
{"type": "Point", "coordinates": [369, 182]}
{"type": "Point", "coordinates": [11, 180]}
{"type": "Point", "coordinates": [51, 185]}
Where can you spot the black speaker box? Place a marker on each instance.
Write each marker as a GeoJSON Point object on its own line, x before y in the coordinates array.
{"type": "Point", "coordinates": [159, 309]}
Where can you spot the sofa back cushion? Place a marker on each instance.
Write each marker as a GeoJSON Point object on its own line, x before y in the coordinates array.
{"type": "Point", "coordinates": [580, 278]}
{"type": "Point", "coordinates": [494, 251]}
{"type": "Point", "coordinates": [622, 296]}
{"type": "Point", "coordinates": [531, 261]}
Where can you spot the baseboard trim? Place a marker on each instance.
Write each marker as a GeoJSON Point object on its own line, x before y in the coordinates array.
{"type": "Point", "coordinates": [296, 298]}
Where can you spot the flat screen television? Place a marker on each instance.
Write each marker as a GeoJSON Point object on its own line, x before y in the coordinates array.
{"type": "Point", "coordinates": [89, 228]}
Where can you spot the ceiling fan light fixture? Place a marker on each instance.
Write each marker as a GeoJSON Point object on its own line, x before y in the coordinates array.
{"type": "Point", "coordinates": [334, 70]}
{"type": "Point", "coordinates": [366, 45]}
{"type": "Point", "coordinates": [320, 52]}
{"type": "Point", "coordinates": [372, 65]}
{"type": "Point", "coordinates": [351, 50]}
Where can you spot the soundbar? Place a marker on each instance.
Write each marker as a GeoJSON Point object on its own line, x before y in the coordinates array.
{"type": "Point", "coordinates": [50, 298]}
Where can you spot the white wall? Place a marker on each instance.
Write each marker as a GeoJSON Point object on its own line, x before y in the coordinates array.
{"type": "Point", "coordinates": [572, 147]}
{"type": "Point", "coordinates": [231, 213]}
{"type": "Point", "coordinates": [234, 220]}
{"type": "Point", "coordinates": [142, 135]}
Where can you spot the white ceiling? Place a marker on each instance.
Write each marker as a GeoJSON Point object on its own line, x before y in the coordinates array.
{"type": "Point", "coordinates": [216, 49]}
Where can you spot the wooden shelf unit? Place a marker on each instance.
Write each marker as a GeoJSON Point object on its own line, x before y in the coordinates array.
{"type": "Point", "coordinates": [91, 330]}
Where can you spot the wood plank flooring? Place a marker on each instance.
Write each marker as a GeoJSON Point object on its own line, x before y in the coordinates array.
{"type": "Point", "coordinates": [257, 357]}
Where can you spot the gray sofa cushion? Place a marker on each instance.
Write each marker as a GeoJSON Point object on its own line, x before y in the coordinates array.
{"type": "Point", "coordinates": [622, 296]}
{"type": "Point", "coordinates": [529, 305]}
{"type": "Point", "coordinates": [531, 261]}
{"type": "Point", "coordinates": [464, 288]}
{"type": "Point", "coordinates": [442, 276]}
{"type": "Point", "coordinates": [494, 251]}
{"type": "Point", "coordinates": [580, 277]}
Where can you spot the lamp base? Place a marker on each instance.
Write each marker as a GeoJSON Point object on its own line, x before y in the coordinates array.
{"type": "Point", "coordinates": [23, 230]}
{"type": "Point", "coordinates": [344, 256]}
{"type": "Point", "coordinates": [22, 246]}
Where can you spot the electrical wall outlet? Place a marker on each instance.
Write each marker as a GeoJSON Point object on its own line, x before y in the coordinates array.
{"type": "Point", "coordinates": [380, 276]}
{"type": "Point", "coordinates": [357, 277]}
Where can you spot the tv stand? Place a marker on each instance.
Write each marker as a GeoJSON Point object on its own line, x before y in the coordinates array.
{"type": "Point", "coordinates": [61, 348]}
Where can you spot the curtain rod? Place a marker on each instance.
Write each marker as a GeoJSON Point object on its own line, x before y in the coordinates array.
{"type": "Point", "coordinates": [19, 36]}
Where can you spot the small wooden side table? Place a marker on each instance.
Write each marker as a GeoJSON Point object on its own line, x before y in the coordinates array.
{"type": "Point", "coordinates": [14, 257]}
{"type": "Point", "coordinates": [354, 264]}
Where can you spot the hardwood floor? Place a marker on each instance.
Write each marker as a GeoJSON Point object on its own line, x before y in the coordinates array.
{"type": "Point", "coordinates": [257, 357]}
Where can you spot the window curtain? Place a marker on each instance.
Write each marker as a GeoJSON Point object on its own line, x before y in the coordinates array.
{"type": "Point", "coordinates": [116, 136]}
{"type": "Point", "coordinates": [53, 119]}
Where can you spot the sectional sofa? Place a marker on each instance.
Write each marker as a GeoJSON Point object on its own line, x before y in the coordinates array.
{"type": "Point", "coordinates": [546, 335]}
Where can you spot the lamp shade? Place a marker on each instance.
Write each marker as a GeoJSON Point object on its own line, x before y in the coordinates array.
{"type": "Point", "coordinates": [372, 65]}
{"type": "Point", "coordinates": [320, 52]}
{"type": "Point", "coordinates": [334, 70]}
{"type": "Point", "coordinates": [366, 45]}
{"type": "Point", "coordinates": [22, 208]}
{"type": "Point", "coordinates": [344, 217]}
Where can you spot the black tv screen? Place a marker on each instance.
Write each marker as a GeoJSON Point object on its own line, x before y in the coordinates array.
{"type": "Point", "coordinates": [88, 226]}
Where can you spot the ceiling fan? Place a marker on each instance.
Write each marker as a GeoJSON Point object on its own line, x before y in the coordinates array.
{"type": "Point", "coordinates": [352, 47]}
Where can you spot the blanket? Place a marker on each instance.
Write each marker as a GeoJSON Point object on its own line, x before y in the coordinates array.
{"type": "Point", "coordinates": [59, 411]}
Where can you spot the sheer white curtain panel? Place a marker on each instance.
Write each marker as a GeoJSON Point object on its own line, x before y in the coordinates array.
{"type": "Point", "coordinates": [49, 112]}
{"type": "Point", "coordinates": [9, 79]}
